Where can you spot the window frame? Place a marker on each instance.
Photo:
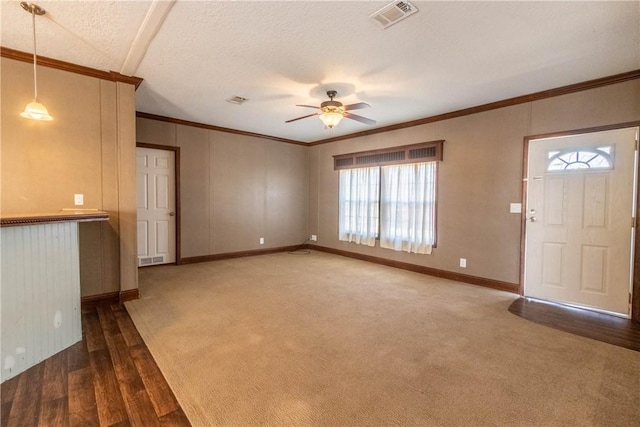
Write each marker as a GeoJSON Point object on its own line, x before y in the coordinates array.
{"type": "Point", "coordinates": [432, 151]}
{"type": "Point", "coordinates": [552, 155]}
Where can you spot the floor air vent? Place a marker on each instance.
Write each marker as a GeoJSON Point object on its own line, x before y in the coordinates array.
{"type": "Point", "coordinates": [143, 261]}
{"type": "Point", "coordinates": [393, 13]}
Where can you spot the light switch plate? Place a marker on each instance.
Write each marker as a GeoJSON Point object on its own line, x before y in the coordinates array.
{"type": "Point", "coordinates": [515, 208]}
{"type": "Point", "coordinates": [78, 199]}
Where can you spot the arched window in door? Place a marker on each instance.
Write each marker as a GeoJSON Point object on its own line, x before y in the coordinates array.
{"type": "Point", "coordinates": [580, 159]}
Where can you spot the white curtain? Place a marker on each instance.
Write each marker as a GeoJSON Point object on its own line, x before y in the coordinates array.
{"type": "Point", "coordinates": [359, 201]}
{"type": "Point", "coordinates": [408, 202]}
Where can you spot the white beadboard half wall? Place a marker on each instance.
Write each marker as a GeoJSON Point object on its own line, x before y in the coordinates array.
{"type": "Point", "coordinates": [40, 293]}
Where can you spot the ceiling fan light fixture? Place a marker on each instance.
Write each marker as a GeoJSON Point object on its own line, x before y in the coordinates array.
{"type": "Point", "coordinates": [331, 118]}
{"type": "Point", "coordinates": [331, 112]}
{"type": "Point", "coordinates": [35, 110]}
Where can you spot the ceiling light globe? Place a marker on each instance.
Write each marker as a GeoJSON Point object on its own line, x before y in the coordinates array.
{"type": "Point", "coordinates": [36, 111]}
{"type": "Point", "coordinates": [330, 119]}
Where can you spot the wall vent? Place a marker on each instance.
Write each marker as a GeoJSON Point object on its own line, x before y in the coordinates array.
{"type": "Point", "coordinates": [374, 159]}
{"type": "Point", "coordinates": [344, 162]}
{"type": "Point", "coordinates": [393, 13]}
{"type": "Point", "coordinates": [422, 153]}
{"type": "Point", "coordinates": [142, 261]}
{"type": "Point", "coordinates": [414, 153]}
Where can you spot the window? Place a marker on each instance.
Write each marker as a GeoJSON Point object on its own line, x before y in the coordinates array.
{"type": "Point", "coordinates": [408, 207]}
{"type": "Point", "coordinates": [583, 158]}
{"type": "Point", "coordinates": [394, 201]}
{"type": "Point", "coordinates": [359, 205]}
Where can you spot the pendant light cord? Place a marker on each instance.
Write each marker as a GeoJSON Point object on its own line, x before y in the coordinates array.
{"type": "Point", "coordinates": [35, 75]}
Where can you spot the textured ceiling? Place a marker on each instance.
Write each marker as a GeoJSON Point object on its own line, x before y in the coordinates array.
{"type": "Point", "coordinates": [448, 56]}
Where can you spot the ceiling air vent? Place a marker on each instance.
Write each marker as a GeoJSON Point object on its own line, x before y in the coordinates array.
{"type": "Point", "coordinates": [238, 100]}
{"type": "Point", "coordinates": [392, 13]}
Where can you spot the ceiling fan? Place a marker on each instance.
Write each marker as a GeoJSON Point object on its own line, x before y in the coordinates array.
{"type": "Point", "coordinates": [331, 112]}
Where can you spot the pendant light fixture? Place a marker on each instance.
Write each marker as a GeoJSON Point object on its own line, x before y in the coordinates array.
{"type": "Point", "coordinates": [35, 110]}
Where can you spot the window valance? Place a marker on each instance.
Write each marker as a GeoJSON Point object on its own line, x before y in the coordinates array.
{"type": "Point", "coordinates": [413, 153]}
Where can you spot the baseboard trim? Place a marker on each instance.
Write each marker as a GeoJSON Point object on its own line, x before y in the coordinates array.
{"type": "Point", "coordinates": [129, 294]}
{"type": "Point", "coordinates": [466, 278]}
{"type": "Point", "coordinates": [241, 254]}
{"type": "Point", "coordinates": [101, 299]}
{"type": "Point", "coordinates": [109, 298]}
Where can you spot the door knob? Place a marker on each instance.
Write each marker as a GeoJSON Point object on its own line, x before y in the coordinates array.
{"type": "Point", "coordinates": [532, 219]}
{"type": "Point", "coordinates": [172, 213]}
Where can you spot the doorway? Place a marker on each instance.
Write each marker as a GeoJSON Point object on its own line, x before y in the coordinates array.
{"type": "Point", "coordinates": [157, 207]}
{"type": "Point", "coordinates": [580, 217]}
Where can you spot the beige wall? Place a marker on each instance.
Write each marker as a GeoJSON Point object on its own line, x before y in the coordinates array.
{"type": "Point", "coordinates": [88, 148]}
{"type": "Point", "coordinates": [235, 189]}
{"type": "Point", "coordinates": [480, 176]}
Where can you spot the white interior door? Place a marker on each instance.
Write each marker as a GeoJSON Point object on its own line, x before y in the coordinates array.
{"type": "Point", "coordinates": [579, 229]}
{"type": "Point", "coordinates": [156, 193]}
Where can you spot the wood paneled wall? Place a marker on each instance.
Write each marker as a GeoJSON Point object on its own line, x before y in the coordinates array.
{"type": "Point", "coordinates": [480, 176]}
{"type": "Point", "coordinates": [89, 148]}
{"type": "Point", "coordinates": [235, 188]}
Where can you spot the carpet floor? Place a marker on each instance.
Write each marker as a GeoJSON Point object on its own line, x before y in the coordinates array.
{"type": "Point", "coordinates": [323, 340]}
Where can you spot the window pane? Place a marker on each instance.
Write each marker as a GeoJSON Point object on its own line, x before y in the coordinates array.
{"type": "Point", "coordinates": [359, 205]}
{"type": "Point", "coordinates": [408, 199]}
{"type": "Point", "coordinates": [581, 159]}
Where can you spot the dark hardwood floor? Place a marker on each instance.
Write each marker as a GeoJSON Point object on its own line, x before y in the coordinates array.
{"type": "Point", "coordinates": [107, 379]}
{"type": "Point", "coordinates": [602, 327]}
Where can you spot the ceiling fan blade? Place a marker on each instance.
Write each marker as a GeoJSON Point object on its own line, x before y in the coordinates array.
{"type": "Point", "coordinates": [360, 119]}
{"type": "Point", "coordinates": [303, 117]}
{"type": "Point", "coordinates": [356, 106]}
{"type": "Point", "coordinates": [308, 106]}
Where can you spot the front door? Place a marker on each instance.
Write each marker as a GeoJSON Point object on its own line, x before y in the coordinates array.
{"type": "Point", "coordinates": [579, 229]}
{"type": "Point", "coordinates": [156, 193]}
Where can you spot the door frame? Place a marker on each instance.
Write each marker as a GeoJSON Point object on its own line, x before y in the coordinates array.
{"type": "Point", "coordinates": [635, 302]}
{"type": "Point", "coordinates": [176, 151]}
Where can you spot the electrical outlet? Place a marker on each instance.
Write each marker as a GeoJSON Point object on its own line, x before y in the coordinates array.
{"type": "Point", "coordinates": [463, 262]}
{"type": "Point", "coordinates": [314, 238]}
{"type": "Point", "coordinates": [262, 240]}
{"type": "Point", "coordinates": [78, 199]}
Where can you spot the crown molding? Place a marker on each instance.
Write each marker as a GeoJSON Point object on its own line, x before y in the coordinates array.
{"type": "Point", "coordinates": [117, 77]}
{"type": "Point", "coordinates": [564, 90]}
{"type": "Point", "coordinates": [113, 76]}
{"type": "Point", "coordinates": [217, 128]}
